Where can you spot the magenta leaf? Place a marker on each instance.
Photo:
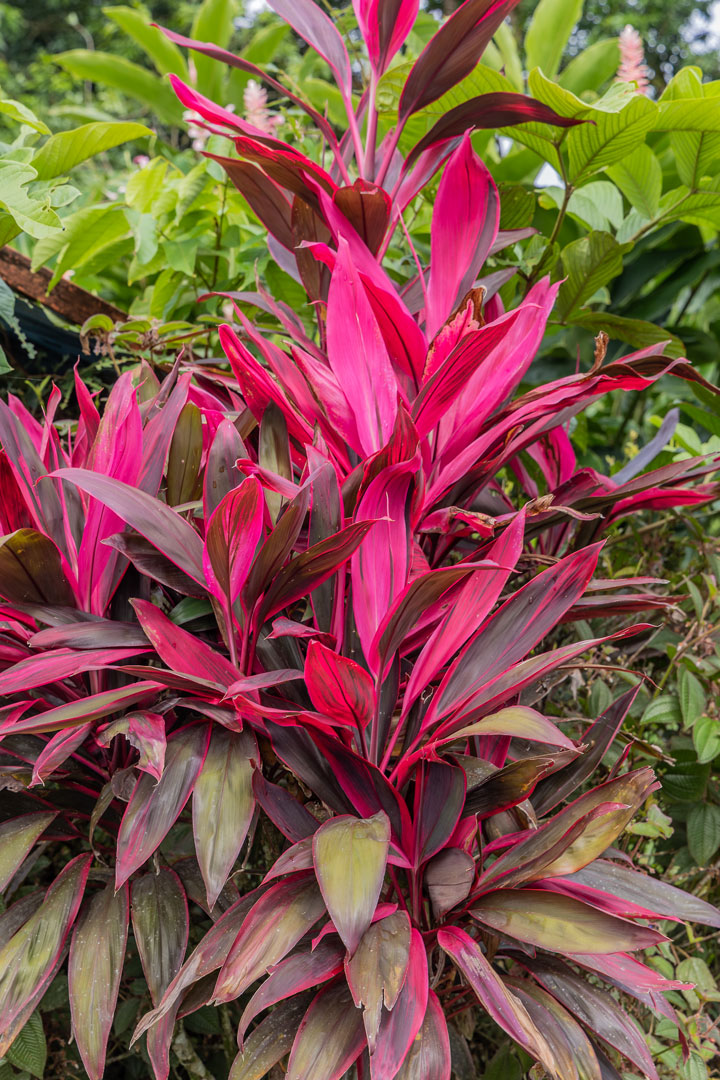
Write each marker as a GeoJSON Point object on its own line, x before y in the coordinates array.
{"type": "Point", "coordinates": [492, 993]}
{"type": "Point", "coordinates": [339, 687]}
{"type": "Point", "coordinates": [358, 355]}
{"type": "Point", "coordinates": [464, 225]}
{"type": "Point", "coordinates": [400, 1025]}
{"type": "Point", "coordinates": [166, 530]}
{"type": "Point", "coordinates": [311, 23]}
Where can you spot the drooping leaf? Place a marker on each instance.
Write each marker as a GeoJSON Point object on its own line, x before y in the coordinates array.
{"type": "Point", "coordinates": [155, 806]}
{"type": "Point", "coordinates": [97, 953]}
{"type": "Point", "coordinates": [494, 996]}
{"type": "Point", "coordinates": [449, 878]}
{"type": "Point", "coordinates": [223, 806]}
{"type": "Point", "coordinates": [271, 1040]}
{"type": "Point", "coordinates": [291, 976]}
{"type": "Point", "coordinates": [377, 970]}
{"type": "Point", "coordinates": [17, 836]}
{"type": "Point", "coordinates": [429, 1056]}
{"type": "Point", "coordinates": [160, 925]}
{"type": "Point", "coordinates": [400, 1025]}
{"type": "Point", "coordinates": [28, 959]}
{"type": "Point", "coordinates": [166, 530]}
{"type": "Point", "coordinates": [350, 855]}
{"type": "Point", "coordinates": [146, 732]}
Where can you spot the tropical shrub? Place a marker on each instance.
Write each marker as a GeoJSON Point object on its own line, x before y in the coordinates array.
{"type": "Point", "coordinates": [324, 595]}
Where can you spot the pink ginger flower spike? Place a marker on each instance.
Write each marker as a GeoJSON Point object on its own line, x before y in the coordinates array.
{"type": "Point", "coordinates": [256, 110]}
{"type": "Point", "coordinates": [632, 66]}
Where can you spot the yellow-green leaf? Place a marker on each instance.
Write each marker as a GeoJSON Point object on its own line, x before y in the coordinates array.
{"type": "Point", "coordinates": [350, 855]}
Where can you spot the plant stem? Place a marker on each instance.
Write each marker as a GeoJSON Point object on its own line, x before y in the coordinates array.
{"type": "Point", "coordinates": [371, 136]}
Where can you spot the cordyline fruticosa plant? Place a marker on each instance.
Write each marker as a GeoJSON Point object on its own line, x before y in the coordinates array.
{"type": "Point", "coordinates": [326, 589]}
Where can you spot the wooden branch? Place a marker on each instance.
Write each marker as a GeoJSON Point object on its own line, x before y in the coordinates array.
{"type": "Point", "coordinates": [68, 301]}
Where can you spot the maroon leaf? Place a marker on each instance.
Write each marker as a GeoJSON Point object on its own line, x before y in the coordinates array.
{"type": "Point", "coordinates": [290, 816]}
{"type": "Point", "coordinates": [166, 530]}
{"type": "Point", "coordinates": [329, 1039]}
{"type": "Point", "coordinates": [448, 879]}
{"type": "Point", "coordinates": [429, 1056]}
{"type": "Point", "coordinates": [231, 538]}
{"type": "Point", "coordinates": [298, 972]}
{"type": "Point", "coordinates": [439, 799]}
{"type": "Point", "coordinates": [274, 925]}
{"type": "Point", "coordinates": [367, 208]}
{"type": "Point", "coordinates": [266, 199]}
{"type": "Point", "coordinates": [496, 110]}
{"type": "Point", "coordinates": [494, 995]}
{"type": "Point", "coordinates": [181, 651]}
{"type": "Point", "coordinates": [311, 23]}
{"type": "Point", "coordinates": [452, 52]}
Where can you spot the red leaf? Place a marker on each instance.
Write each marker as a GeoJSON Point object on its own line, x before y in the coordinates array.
{"type": "Point", "coordinates": [312, 24]}
{"type": "Point", "coordinates": [338, 687]}
{"type": "Point", "coordinates": [231, 539]}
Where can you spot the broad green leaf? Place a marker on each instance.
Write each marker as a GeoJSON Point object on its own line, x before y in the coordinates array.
{"type": "Point", "coordinates": [687, 781]}
{"type": "Point", "coordinates": [144, 186]}
{"type": "Point", "coordinates": [19, 112]}
{"type": "Point", "coordinates": [639, 177]}
{"type": "Point", "coordinates": [692, 697]}
{"type": "Point", "coordinates": [97, 954]}
{"type": "Point", "coordinates": [507, 46]}
{"type": "Point", "coordinates": [213, 22]}
{"type": "Point", "coordinates": [377, 971]}
{"type": "Point", "coordinates": [706, 737]}
{"type": "Point", "coordinates": [62, 152]}
{"type": "Point", "coordinates": [589, 263]}
{"type": "Point", "coordinates": [123, 74]}
{"type": "Point", "coordinates": [160, 925]}
{"type": "Point", "coordinates": [682, 204]}
{"type": "Point", "coordinates": [156, 805]}
{"type": "Point", "coordinates": [350, 855]}
{"type": "Point", "coordinates": [610, 138]}
{"type": "Point", "coordinates": [29, 1051]}
{"type": "Point", "coordinates": [223, 806]}
{"type": "Point", "coordinates": [559, 923]}
{"type": "Point", "coordinates": [688, 114]}
{"type": "Point", "coordinates": [29, 957]}
{"type": "Point", "coordinates": [598, 205]}
{"type": "Point", "coordinates": [17, 837]}
{"type": "Point", "coordinates": [592, 67]}
{"type": "Point", "coordinates": [31, 214]}
{"type": "Point", "coordinates": [165, 55]}
{"type": "Point", "coordinates": [635, 332]}
{"type": "Point", "coordinates": [703, 832]}
{"type": "Point", "coordinates": [549, 31]}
